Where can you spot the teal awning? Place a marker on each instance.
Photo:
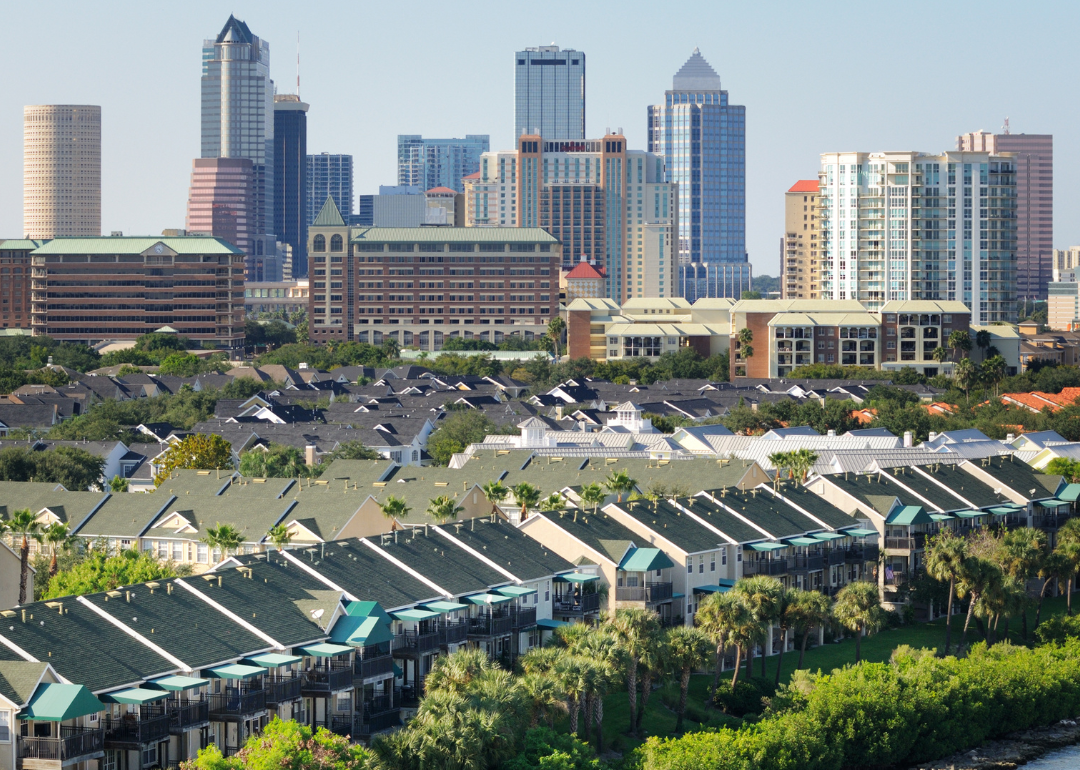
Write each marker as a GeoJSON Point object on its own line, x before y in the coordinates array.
{"type": "Point", "coordinates": [366, 610]}
{"type": "Point", "coordinates": [52, 702]}
{"type": "Point", "coordinates": [860, 532]}
{"type": "Point", "coordinates": [397, 670]}
{"type": "Point", "coordinates": [711, 589]}
{"type": "Point", "coordinates": [444, 606]}
{"type": "Point", "coordinates": [135, 695]}
{"type": "Point", "coordinates": [576, 577]}
{"type": "Point", "coordinates": [272, 660]}
{"type": "Point", "coordinates": [1053, 503]}
{"type": "Point", "coordinates": [325, 650]}
{"type": "Point", "coordinates": [968, 514]}
{"type": "Point", "coordinates": [908, 515]}
{"type": "Point", "coordinates": [358, 632]}
{"type": "Point", "coordinates": [1002, 511]}
{"type": "Point", "coordinates": [941, 517]}
{"type": "Point", "coordinates": [235, 671]}
{"type": "Point", "coordinates": [488, 599]}
{"type": "Point", "coordinates": [515, 591]}
{"type": "Point", "coordinates": [645, 560]}
{"type": "Point", "coordinates": [826, 536]}
{"type": "Point", "coordinates": [414, 614]}
{"type": "Point", "coordinates": [178, 683]}
{"type": "Point", "coordinates": [677, 595]}
{"type": "Point", "coordinates": [1070, 493]}
{"type": "Point", "coordinates": [551, 624]}
{"type": "Point", "coordinates": [767, 546]}
{"type": "Point", "coordinates": [803, 541]}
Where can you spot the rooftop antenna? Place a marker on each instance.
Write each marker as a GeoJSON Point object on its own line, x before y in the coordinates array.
{"type": "Point", "coordinates": [1005, 128]}
{"type": "Point", "coordinates": [298, 67]}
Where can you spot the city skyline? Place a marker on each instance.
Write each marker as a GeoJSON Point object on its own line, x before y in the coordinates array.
{"type": "Point", "coordinates": [138, 197]}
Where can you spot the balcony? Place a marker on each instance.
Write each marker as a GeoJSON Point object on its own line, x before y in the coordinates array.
{"type": "Point", "coordinates": [366, 726]}
{"type": "Point", "coordinates": [321, 681]}
{"type": "Point", "coordinates": [339, 725]}
{"type": "Point", "coordinates": [773, 567]}
{"type": "Point", "coordinates": [75, 744]}
{"type": "Point", "coordinates": [858, 554]}
{"type": "Point", "coordinates": [808, 562]}
{"type": "Point", "coordinates": [455, 633]}
{"type": "Point", "coordinates": [899, 544]}
{"type": "Point", "coordinates": [372, 666]}
{"type": "Point", "coordinates": [581, 604]}
{"type": "Point", "coordinates": [188, 715]}
{"type": "Point", "coordinates": [413, 643]}
{"type": "Point", "coordinates": [491, 625]}
{"type": "Point", "coordinates": [150, 726]}
{"type": "Point", "coordinates": [524, 617]}
{"type": "Point", "coordinates": [648, 593]}
{"type": "Point", "coordinates": [282, 690]}
{"type": "Point", "coordinates": [236, 704]}
{"type": "Point", "coordinates": [835, 556]}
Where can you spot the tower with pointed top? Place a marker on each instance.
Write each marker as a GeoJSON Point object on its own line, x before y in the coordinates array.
{"type": "Point", "coordinates": [703, 140]}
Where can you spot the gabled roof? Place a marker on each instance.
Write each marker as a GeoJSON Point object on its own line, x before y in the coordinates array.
{"type": "Point", "coordinates": [19, 679]}
{"type": "Point", "coordinates": [804, 186]}
{"type": "Point", "coordinates": [441, 191]}
{"type": "Point", "coordinates": [329, 216]}
{"type": "Point", "coordinates": [583, 270]}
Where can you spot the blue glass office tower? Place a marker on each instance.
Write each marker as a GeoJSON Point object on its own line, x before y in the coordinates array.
{"type": "Point", "coordinates": [430, 163]}
{"type": "Point", "coordinates": [290, 177]}
{"type": "Point", "coordinates": [329, 175]}
{"type": "Point", "coordinates": [549, 93]}
{"type": "Point", "coordinates": [703, 140]}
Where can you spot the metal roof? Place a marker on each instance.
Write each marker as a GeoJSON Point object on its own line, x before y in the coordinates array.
{"type": "Point", "coordinates": [188, 244]}
{"type": "Point", "coordinates": [451, 235]}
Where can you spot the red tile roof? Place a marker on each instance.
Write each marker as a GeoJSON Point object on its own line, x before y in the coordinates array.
{"type": "Point", "coordinates": [585, 270]}
{"type": "Point", "coordinates": [472, 176]}
{"type": "Point", "coordinates": [442, 190]}
{"type": "Point", "coordinates": [805, 186]}
{"type": "Point", "coordinates": [1036, 401]}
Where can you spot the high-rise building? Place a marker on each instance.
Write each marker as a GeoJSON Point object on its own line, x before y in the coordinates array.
{"type": "Point", "coordinates": [61, 170]}
{"type": "Point", "coordinates": [799, 259]}
{"type": "Point", "coordinates": [604, 202]}
{"type": "Point", "coordinates": [549, 93]}
{"type": "Point", "coordinates": [1065, 263]}
{"type": "Point", "coordinates": [220, 202]}
{"type": "Point", "coordinates": [910, 226]}
{"type": "Point", "coordinates": [15, 281]}
{"type": "Point", "coordinates": [703, 140]}
{"type": "Point", "coordinates": [329, 176]}
{"type": "Point", "coordinates": [1034, 157]}
{"type": "Point", "coordinates": [238, 117]}
{"type": "Point", "coordinates": [290, 177]}
{"type": "Point", "coordinates": [429, 163]}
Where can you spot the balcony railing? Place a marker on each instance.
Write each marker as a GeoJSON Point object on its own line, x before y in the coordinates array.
{"type": "Point", "coordinates": [237, 703]}
{"type": "Point", "coordinates": [524, 617]}
{"type": "Point", "coordinates": [143, 729]}
{"type": "Point", "coordinates": [862, 553]}
{"type": "Point", "coordinates": [773, 567]}
{"type": "Point", "coordinates": [73, 742]}
{"type": "Point", "coordinates": [900, 543]}
{"type": "Point", "coordinates": [650, 592]}
{"type": "Point", "coordinates": [188, 714]}
{"type": "Point", "coordinates": [282, 690]}
{"type": "Point", "coordinates": [491, 625]}
{"type": "Point", "coordinates": [573, 605]}
{"type": "Point", "coordinates": [835, 556]}
{"type": "Point", "coordinates": [417, 643]}
{"type": "Point", "coordinates": [455, 633]}
{"type": "Point", "coordinates": [324, 680]}
{"type": "Point", "coordinates": [808, 562]}
{"type": "Point", "coordinates": [897, 579]}
{"type": "Point", "coordinates": [375, 724]}
{"type": "Point", "coordinates": [374, 666]}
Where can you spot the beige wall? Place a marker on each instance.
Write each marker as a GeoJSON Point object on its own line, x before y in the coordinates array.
{"type": "Point", "coordinates": [61, 170]}
{"type": "Point", "coordinates": [799, 278]}
{"type": "Point", "coordinates": [10, 567]}
{"type": "Point", "coordinates": [548, 534]}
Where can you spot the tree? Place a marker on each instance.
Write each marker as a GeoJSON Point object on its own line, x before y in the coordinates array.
{"type": "Point", "coordinates": [618, 482]}
{"type": "Point", "coordinates": [940, 354]}
{"type": "Point", "coordinates": [652, 666]}
{"type": "Point", "coordinates": [552, 502]}
{"type": "Point", "coordinates": [394, 508]}
{"type": "Point", "coordinates": [592, 494]}
{"type": "Point", "coordinates": [118, 485]}
{"type": "Point", "coordinates": [721, 616]}
{"type": "Point", "coordinates": [287, 745]}
{"type": "Point", "coordinates": [634, 628]}
{"type": "Point", "coordinates": [1054, 568]}
{"type": "Point", "coordinates": [280, 536]}
{"type": "Point", "coordinates": [198, 451]}
{"type": "Point", "coordinates": [993, 370]}
{"type": "Point", "coordinates": [977, 577]}
{"type": "Point", "coordinates": [1022, 554]}
{"type": "Point", "coordinates": [747, 294]}
{"type": "Point", "coordinates": [982, 340]}
{"type": "Point", "coordinates": [688, 649]}
{"type": "Point", "coordinates": [24, 524]}
{"type": "Point", "coordinates": [782, 461]}
{"type": "Point", "coordinates": [495, 492]}
{"type": "Point", "coordinates": [945, 555]}
{"type": "Point", "coordinates": [183, 365]}
{"type": "Point", "coordinates": [555, 329]}
{"type": "Point", "coordinates": [545, 748]}
{"type": "Point", "coordinates": [527, 496]}
{"type": "Point", "coordinates": [350, 450]}
{"type": "Point", "coordinates": [443, 509]}
{"type": "Point", "coordinates": [812, 609]}
{"type": "Point", "coordinates": [457, 431]}
{"type": "Point", "coordinates": [802, 462]}
{"type": "Point", "coordinates": [858, 609]}
{"type": "Point", "coordinates": [100, 572]}
{"type": "Point", "coordinates": [1068, 545]}
{"type": "Point", "coordinates": [58, 537]}
{"type": "Point", "coordinates": [785, 618]}
{"type": "Point", "coordinates": [761, 594]}
{"type": "Point", "coordinates": [224, 538]}
{"type": "Point", "coordinates": [276, 461]}
{"type": "Point", "coordinates": [960, 340]}
{"type": "Point", "coordinates": [965, 374]}
{"type": "Point", "coordinates": [1063, 466]}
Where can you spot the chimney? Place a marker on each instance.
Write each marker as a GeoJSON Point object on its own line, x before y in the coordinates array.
{"type": "Point", "coordinates": [1010, 437]}
{"type": "Point", "coordinates": [932, 436]}
{"type": "Point", "coordinates": [309, 454]}
{"type": "Point", "coordinates": [831, 433]}
{"type": "Point", "coordinates": [907, 438]}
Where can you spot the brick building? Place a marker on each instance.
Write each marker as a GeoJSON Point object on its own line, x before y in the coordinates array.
{"type": "Point", "coordinates": [15, 282]}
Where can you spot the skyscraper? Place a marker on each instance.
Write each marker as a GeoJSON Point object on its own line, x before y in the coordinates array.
{"type": "Point", "coordinates": [430, 163]}
{"type": "Point", "coordinates": [220, 201]}
{"type": "Point", "coordinates": [703, 139]}
{"type": "Point", "coordinates": [290, 177]}
{"type": "Point", "coordinates": [238, 116]}
{"type": "Point", "coordinates": [61, 170]}
{"type": "Point", "coordinates": [549, 89]}
{"type": "Point", "coordinates": [800, 260]}
{"type": "Point", "coordinates": [1034, 154]}
{"type": "Point", "coordinates": [329, 176]}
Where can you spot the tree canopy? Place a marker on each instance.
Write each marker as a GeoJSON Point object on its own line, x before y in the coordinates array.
{"type": "Point", "coordinates": [199, 451]}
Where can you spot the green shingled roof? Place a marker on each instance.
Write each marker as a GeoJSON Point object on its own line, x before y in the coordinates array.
{"type": "Point", "coordinates": [908, 515]}
{"type": "Point", "coordinates": [21, 244]}
{"type": "Point", "coordinates": [19, 678]}
{"type": "Point", "coordinates": [188, 244]}
{"type": "Point", "coordinates": [329, 215]}
{"type": "Point", "coordinates": [452, 235]}
{"type": "Point", "coordinates": [646, 560]}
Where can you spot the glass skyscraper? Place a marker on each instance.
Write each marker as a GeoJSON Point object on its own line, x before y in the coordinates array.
{"type": "Point", "coordinates": [549, 93]}
{"type": "Point", "coordinates": [430, 163]}
{"type": "Point", "coordinates": [329, 175]}
{"type": "Point", "coordinates": [703, 140]}
{"type": "Point", "coordinates": [290, 177]}
{"type": "Point", "coordinates": [238, 116]}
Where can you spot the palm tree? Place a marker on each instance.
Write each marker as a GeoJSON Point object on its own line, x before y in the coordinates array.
{"type": "Point", "coordinates": [945, 554]}
{"type": "Point", "coordinates": [745, 337]}
{"type": "Point", "coordinates": [118, 484]}
{"type": "Point", "coordinates": [634, 627]}
{"type": "Point", "coordinates": [688, 649]}
{"type": "Point", "coordinates": [394, 508]}
{"type": "Point", "coordinates": [527, 497]}
{"type": "Point", "coordinates": [573, 671]}
{"type": "Point", "coordinates": [977, 577]}
{"type": "Point", "coordinates": [858, 609]}
{"type": "Point", "coordinates": [982, 340]}
{"type": "Point", "coordinates": [781, 461]}
{"type": "Point", "coordinates": [785, 618]}
{"type": "Point", "coordinates": [224, 537]}
{"type": "Point", "coordinates": [444, 508]}
{"type": "Point", "coordinates": [964, 373]}
{"type": "Point", "coordinates": [652, 665]}
{"type": "Point", "coordinates": [619, 482]}
{"type": "Point", "coordinates": [602, 647]}
{"type": "Point", "coordinates": [545, 697]}
{"type": "Point", "coordinates": [25, 524]}
{"type": "Point", "coordinates": [1068, 545]}
{"type": "Point", "coordinates": [802, 462]}
{"type": "Point", "coordinates": [495, 492]}
{"type": "Point", "coordinates": [279, 535]}
{"type": "Point", "coordinates": [812, 609]}
{"type": "Point", "coordinates": [762, 597]}
{"type": "Point", "coordinates": [555, 329]}
{"type": "Point", "coordinates": [58, 536]}
{"type": "Point", "coordinates": [455, 673]}
{"type": "Point", "coordinates": [960, 340]}
{"type": "Point", "coordinates": [940, 354]}
{"type": "Point", "coordinates": [552, 502]}
{"type": "Point", "coordinates": [719, 616]}
{"type": "Point", "coordinates": [1022, 553]}
{"type": "Point", "coordinates": [994, 369]}
{"type": "Point", "coordinates": [592, 494]}
{"type": "Point", "coordinates": [1054, 567]}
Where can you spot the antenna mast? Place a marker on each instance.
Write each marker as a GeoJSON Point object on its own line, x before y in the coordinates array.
{"type": "Point", "coordinates": [298, 69]}
{"type": "Point", "coordinates": [1005, 128]}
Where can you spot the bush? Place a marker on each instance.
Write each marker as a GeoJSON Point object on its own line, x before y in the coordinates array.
{"type": "Point", "coordinates": [1058, 629]}
{"type": "Point", "coordinates": [745, 697]}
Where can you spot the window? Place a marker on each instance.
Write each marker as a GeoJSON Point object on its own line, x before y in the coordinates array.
{"type": "Point", "coordinates": [336, 244]}
{"type": "Point", "coordinates": [344, 701]}
{"type": "Point", "coordinates": [5, 727]}
{"type": "Point", "coordinates": [202, 553]}
{"type": "Point", "coordinates": [689, 565]}
{"type": "Point", "coordinates": [319, 243]}
{"type": "Point", "coordinates": [723, 558]}
{"type": "Point", "coordinates": [700, 564]}
{"type": "Point", "coordinates": [149, 756]}
{"type": "Point", "coordinates": [110, 760]}
{"type": "Point", "coordinates": [712, 562]}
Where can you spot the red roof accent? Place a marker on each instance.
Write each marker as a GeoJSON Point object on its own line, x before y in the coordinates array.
{"type": "Point", "coordinates": [442, 190]}
{"type": "Point", "coordinates": [472, 176]}
{"type": "Point", "coordinates": [1037, 401]}
{"type": "Point", "coordinates": [805, 186]}
{"type": "Point", "coordinates": [585, 270]}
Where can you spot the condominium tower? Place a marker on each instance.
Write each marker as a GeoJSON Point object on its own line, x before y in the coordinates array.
{"type": "Point", "coordinates": [909, 226]}
{"type": "Point", "coordinates": [61, 170]}
{"type": "Point", "coordinates": [1034, 158]}
{"type": "Point", "coordinates": [329, 176]}
{"type": "Point", "coordinates": [549, 93]}
{"type": "Point", "coordinates": [220, 202]}
{"type": "Point", "coordinates": [799, 259]}
{"type": "Point", "coordinates": [430, 163]}
{"type": "Point", "coordinates": [290, 177]}
{"type": "Point", "coordinates": [238, 116]}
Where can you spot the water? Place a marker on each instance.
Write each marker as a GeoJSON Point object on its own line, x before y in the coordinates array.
{"type": "Point", "coordinates": [1062, 759]}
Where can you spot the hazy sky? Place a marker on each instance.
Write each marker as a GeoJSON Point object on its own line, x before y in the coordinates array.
{"type": "Point", "coordinates": [814, 76]}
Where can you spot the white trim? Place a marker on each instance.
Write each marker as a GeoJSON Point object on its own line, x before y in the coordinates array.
{"type": "Point", "coordinates": [404, 567]}
{"type": "Point", "coordinates": [133, 634]}
{"type": "Point", "coordinates": [317, 575]}
{"type": "Point", "coordinates": [18, 650]}
{"type": "Point", "coordinates": [911, 491]}
{"type": "Point", "coordinates": [579, 541]}
{"type": "Point", "coordinates": [702, 522]}
{"type": "Point", "coordinates": [738, 515]}
{"type": "Point", "coordinates": [800, 509]}
{"type": "Point", "coordinates": [478, 555]}
{"type": "Point", "coordinates": [233, 616]}
{"type": "Point", "coordinates": [952, 492]}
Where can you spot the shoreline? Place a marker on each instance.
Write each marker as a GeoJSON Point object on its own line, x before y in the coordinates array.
{"type": "Point", "coordinates": [1013, 751]}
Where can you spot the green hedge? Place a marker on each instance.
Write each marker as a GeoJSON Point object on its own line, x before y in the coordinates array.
{"type": "Point", "coordinates": [914, 709]}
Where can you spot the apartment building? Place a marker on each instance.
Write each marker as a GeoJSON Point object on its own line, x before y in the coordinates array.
{"type": "Point", "coordinates": [428, 163]}
{"type": "Point", "coordinates": [1064, 264]}
{"type": "Point", "coordinates": [420, 285]}
{"type": "Point", "coordinates": [914, 226]}
{"type": "Point", "coordinates": [276, 297]}
{"type": "Point", "coordinates": [799, 259]}
{"type": "Point", "coordinates": [114, 288]}
{"type": "Point", "coordinates": [15, 282]}
{"type": "Point", "coordinates": [583, 280]}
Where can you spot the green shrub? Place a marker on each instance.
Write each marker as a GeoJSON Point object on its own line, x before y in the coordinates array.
{"type": "Point", "coordinates": [745, 697]}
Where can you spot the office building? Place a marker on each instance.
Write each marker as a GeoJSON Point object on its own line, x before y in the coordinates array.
{"type": "Point", "coordinates": [238, 118]}
{"type": "Point", "coordinates": [584, 280]}
{"type": "Point", "coordinates": [1065, 264]}
{"type": "Point", "coordinates": [799, 246]}
{"type": "Point", "coordinates": [290, 177]}
{"type": "Point", "coordinates": [605, 330]}
{"type": "Point", "coordinates": [549, 93]}
{"type": "Point", "coordinates": [221, 202]}
{"type": "Point", "coordinates": [604, 202]}
{"type": "Point", "coordinates": [443, 206]}
{"type": "Point", "coordinates": [15, 282]}
{"type": "Point", "coordinates": [1033, 155]}
{"type": "Point", "coordinates": [428, 163]}
{"type": "Point", "coordinates": [697, 280]}
{"type": "Point", "coordinates": [61, 170]}
{"type": "Point", "coordinates": [703, 141]}
{"type": "Point", "coordinates": [1063, 305]}
{"type": "Point", "coordinates": [88, 290]}
{"type": "Point", "coordinates": [277, 298]}
{"type": "Point", "coordinates": [420, 285]}
{"type": "Point", "coordinates": [329, 175]}
{"type": "Point", "coordinates": [900, 226]}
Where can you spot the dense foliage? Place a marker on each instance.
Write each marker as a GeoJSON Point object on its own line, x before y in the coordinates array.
{"type": "Point", "coordinates": [287, 746]}
{"type": "Point", "coordinates": [75, 468]}
{"type": "Point", "coordinates": [96, 571]}
{"type": "Point", "coordinates": [457, 430]}
{"type": "Point", "coordinates": [199, 451]}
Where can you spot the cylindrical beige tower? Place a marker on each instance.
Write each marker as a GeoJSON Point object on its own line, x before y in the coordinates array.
{"type": "Point", "coordinates": [61, 170]}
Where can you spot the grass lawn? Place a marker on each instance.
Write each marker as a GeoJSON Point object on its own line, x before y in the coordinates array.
{"type": "Point", "coordinates": [660, 720]}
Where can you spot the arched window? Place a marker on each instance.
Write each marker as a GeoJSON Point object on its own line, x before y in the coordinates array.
{"type": "Point", "coordinates": [319, 244]}
{"type": "Point", "coordinates": [335, 243]}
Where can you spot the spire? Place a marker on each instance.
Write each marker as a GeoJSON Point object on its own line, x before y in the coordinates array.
{"type": "Point", "coordinates": [330, 215]}
{"type": "Point", "coordinates": [234, 31]}
{"type": "Point", "coordinates": [696, 75]}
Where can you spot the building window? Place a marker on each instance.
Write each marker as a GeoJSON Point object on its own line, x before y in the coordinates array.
{"type": "Point", "coordinates": [202, 553]}
{"type": "Point", "coordinates": [689, 565]}
{"type": "Point", "coordinates": [336, 244]}
{"type": "Point", "coordinates": [319, 243]}
{"type": "Point", "coordinates": [5, 727]}
{"type": "Point", "coordinates": [712, 562]}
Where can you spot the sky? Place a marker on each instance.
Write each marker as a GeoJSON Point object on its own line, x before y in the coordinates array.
{"type": "Point", "coordinates": [814, 77]}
